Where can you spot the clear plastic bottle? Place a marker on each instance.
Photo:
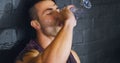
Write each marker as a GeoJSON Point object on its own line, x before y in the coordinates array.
{"type": "Point", "coordinates": [86, 4]}
{"type": "Point", "coordinates": [77, 11]}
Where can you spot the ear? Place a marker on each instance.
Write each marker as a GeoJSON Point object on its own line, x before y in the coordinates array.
{"type": "Point", "coordinates": [35, 24]}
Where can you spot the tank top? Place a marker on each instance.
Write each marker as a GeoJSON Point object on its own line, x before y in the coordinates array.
{"type": "Point", "coordinates": [33, 45]}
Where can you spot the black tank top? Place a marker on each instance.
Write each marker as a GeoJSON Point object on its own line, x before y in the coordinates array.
{"type": "Point", "coordinates": [33, 45]}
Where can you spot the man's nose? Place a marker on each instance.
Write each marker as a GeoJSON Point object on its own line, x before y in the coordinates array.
{"type": "Point", "coordinates": [57, 12]}
{"type": "Point", "coordinates": [58, 15]}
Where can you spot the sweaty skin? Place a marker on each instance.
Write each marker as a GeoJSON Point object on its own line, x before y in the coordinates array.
{"type": "Point", "coordinates": [54, 31]}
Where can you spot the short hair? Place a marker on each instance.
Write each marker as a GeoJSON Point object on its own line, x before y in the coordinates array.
{"type": "Point", "coordinates": [33, 13]}
{"type": "Point", "coordinates": [32, 10]}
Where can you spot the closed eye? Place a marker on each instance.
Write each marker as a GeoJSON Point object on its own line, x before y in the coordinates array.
{"type": "Point", "coordinates": [48, 11]}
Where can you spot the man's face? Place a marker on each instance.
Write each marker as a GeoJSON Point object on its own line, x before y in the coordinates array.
{"type": "Point", "coordinates": [49, 17]}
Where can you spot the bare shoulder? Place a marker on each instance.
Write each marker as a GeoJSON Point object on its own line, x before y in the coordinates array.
{"type": "Point", "coordinates": [75, 56]}
{"type": "Point", "coordinates": [28, 56]}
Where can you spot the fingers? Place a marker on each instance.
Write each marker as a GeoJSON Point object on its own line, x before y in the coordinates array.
{"type": "Point", "coordinates": [68, 16]}
{"type": "Point", "coordinates": [70, 6]}
{"type": "Point", "coordinates": [66, 12]}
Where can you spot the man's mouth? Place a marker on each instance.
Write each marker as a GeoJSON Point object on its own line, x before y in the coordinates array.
{"type": "Point", "coordinates": [60, 20]}
{"type": "Point", "coordinates": [60, 23]}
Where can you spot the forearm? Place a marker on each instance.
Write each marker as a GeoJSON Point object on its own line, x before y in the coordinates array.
{"type": "Point", "coordinates": [60, 48]}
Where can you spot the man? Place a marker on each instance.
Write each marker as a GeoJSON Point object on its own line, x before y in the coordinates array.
{"type": "Point", "coordinates": [54, 30]}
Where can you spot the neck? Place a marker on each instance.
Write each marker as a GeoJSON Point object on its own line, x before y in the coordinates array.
{"type": "Point", "coordinates": [43, 40]}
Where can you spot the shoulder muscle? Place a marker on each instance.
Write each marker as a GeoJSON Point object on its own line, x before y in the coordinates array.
{"type": "Point", "coordinates": [28, 56]}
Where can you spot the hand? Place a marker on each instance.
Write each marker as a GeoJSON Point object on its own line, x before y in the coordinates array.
{"type": "Point", "coordinates": [68, 16]}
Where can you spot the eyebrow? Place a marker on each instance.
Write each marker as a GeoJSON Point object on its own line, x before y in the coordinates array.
{"type": "Point", "coordinates": [48, 9]}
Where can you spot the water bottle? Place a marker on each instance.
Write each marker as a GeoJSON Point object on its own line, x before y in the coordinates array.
{"type": "Point", "coordinates": [77, 11]}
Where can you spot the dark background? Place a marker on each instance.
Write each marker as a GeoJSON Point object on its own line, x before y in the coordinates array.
{"type": "Point", "coordinates": [96, 37]}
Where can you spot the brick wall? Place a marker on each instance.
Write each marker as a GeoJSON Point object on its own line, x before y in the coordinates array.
{"type": "Point", "coordinates": [96, 36]}
{"type": "Point", "coordinates": [14, 28]}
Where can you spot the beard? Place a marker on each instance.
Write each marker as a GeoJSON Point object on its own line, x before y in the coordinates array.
{"type": "Point", "coordinates": [51, 30]}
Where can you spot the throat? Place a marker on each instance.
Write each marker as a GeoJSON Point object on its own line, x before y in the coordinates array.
{"type": "Point", "coordinates": [44, 41]}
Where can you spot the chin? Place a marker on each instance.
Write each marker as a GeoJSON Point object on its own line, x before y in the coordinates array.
{"type": "Point", "coordinates": [56, 32]}
{"type": "Point", "coordinates": [53, 31]}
